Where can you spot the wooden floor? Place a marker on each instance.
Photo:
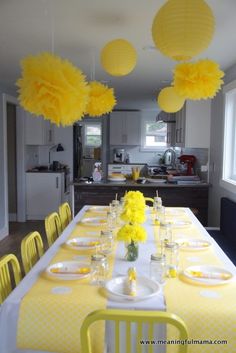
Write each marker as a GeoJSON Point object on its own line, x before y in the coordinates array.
{"type": "Point", "coordinates": [11, 243]}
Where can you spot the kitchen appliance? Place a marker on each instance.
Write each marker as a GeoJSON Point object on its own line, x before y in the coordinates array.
{"type": "Point", "coordinates": [119, 155]}
{"type": "Point", "coordinates": [169, 157]}
{"type": "Point", "coordinates": [188, 160]}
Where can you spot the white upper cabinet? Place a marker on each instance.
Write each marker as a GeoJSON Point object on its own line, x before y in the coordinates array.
{"type": "Point", "coordinates": [193, 124]}
{"type": "Point", "coordinates": [125, 128]}
{"type": "Point", "coordinates": [38, 131]}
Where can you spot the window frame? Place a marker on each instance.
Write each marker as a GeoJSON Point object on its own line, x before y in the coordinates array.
{"type": "Point", "coordinates": [88, 124]}
{"type": "Point", "coordinates": [228, 176]}
{"type": "Point", "coordinates": [143, 147]}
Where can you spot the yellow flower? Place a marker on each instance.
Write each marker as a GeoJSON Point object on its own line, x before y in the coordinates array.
{"type": "Point", "coordinates": [130, 233]}
{"type": "Point", "coordinates": [134, 207]}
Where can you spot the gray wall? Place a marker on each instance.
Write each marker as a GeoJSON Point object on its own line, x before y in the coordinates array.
{"type": "Point", "coordinates": [216, 154]}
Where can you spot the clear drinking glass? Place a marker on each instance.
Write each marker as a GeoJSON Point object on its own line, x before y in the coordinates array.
{"type": "Point", "coordinates": [165, 235]}
{"type": "Point", "coordinates": [107, 241]}
{"type": "Point", "coordinates": [158, 267]}
{"type": "Point", "coordinates": [111, 220]}
{"type": "Point", "coordinates": [171, 251]}
{"type": "Point", "coordinates": [99, 269]}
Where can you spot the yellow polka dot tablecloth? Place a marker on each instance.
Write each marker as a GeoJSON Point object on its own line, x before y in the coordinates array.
{"type": "Point", "coordinates": [208, 311]}
{"type": "Point", "coordinates": [52, 312]}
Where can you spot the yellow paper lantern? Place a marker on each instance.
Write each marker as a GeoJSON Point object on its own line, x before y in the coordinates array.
{"type": "Point", "coordinates": [118, 57]}
{"type": "Point", "coordinates": [169, 101]}
{"type": "Point", "coordinates": [183, 28]}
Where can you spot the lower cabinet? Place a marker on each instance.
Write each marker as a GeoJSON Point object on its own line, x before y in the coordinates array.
{"type": "Point", "coordinates": [194, 197]}
{"type": "Point", "coordinates": [44, 194]}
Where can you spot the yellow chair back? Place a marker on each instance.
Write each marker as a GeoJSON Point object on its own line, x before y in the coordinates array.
{"type": "Point", "coordinates": [149, 318]}
{"type": "Point", "coordinates": [7, 262]}
{"type": "Point", "coordinates": [52, 227]}
{"type": "Point", "coordinates": [65, 215]}
{"type": "Point", "coordinates": [149, 199]}
{"type": "Point", "coordinates": [31, 250]}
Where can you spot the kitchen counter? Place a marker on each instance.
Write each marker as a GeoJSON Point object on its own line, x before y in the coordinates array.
{"type": "Point", "coordinates": [130, 183]}
{"type": "Point", "coordinates": [194, 196]}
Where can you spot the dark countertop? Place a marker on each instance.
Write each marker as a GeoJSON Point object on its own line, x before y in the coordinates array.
{"type": "Point", "coordinates": [46, 171]}
{"type": "Point", "coordinates": [130, 183]}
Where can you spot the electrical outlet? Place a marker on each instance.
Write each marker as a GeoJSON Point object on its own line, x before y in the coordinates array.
{"type": "Point", "coordinates": [204, 168]}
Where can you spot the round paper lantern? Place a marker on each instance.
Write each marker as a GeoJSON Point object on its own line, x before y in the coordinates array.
{"type": "Point", "coordinates": [183, 28]}
{"type": "Point", "coordinates": [118, 57]}
{"type": "Point", "coordinates": [169, 101]}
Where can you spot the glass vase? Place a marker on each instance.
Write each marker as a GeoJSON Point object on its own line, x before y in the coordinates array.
{"type": "Point", "coordinates": [132, 251]}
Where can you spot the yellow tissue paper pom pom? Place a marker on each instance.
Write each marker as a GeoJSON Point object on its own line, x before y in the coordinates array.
{"type": "Point", "coordinates": [130, 233]}
{"type": "Point", "coordinates": [101, 99]}
{"type": "Point", "coordinates": [200, 80]}
{"type": "Point", "coordinates": [54, 88]}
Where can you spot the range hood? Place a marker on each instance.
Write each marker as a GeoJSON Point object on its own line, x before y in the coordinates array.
{"type": "Point", "coordinates": [168, 118]}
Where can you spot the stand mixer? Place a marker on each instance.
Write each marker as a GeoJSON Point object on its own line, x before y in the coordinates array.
{"type": "Point", "coordinates": [189, 160]}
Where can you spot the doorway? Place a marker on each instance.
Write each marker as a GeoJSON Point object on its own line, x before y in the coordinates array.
{"type": "Point", "coordinates": [11, 161]}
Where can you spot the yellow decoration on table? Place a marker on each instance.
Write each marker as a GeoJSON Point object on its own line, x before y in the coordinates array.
{"type": "Point", "coordinates": [134, 207]}
{"type": "Point", "coordinates": [130, 232]}
{"type": "Point", "coordinates": [101, 99]}
{"type": "Point", "coordinates": [199, 80]}
{"type": "Point", "coordinates": [118, 57]}
{"type": "Point", "coordinates": [169, 101]}
{"type": "Point", "coordinates": [183, 28]}
{"type": "Point", "coordinates": [54, 88]}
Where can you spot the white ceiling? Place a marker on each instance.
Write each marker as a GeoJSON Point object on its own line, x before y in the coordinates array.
{"type": "Point", "coordinates": [82, 28]}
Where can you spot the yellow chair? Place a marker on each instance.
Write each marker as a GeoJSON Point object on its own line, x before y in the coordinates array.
{"type": "Point", "coordinates": [149, 318]}
{"type": "Point", "coordinates": [65, 215]}
{"type": "Point", "coordinates": [149, 199]}
{"type": "Point", "coordinates": [7, 263]}
{"type": "Point", "coordinates": [31, 250]}
{"type": "Point", "coordinates": [52, 227]}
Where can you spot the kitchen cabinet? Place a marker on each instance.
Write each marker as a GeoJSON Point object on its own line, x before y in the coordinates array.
{"type": "Point", "coordinates": [44, 194]}
{"type": "Point", "coordinates": [193, 125]}
{"type": "Point", "coordinates": [125, 128]}
{"type": "Point", "coordinates": [38, 131]}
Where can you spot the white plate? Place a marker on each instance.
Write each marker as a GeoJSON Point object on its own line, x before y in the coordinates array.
{"type": "Point", "coordinates": [83, 243]}
{"type": "Point", "coordinates": [193, 244]}
{"type": "Point", "coordinates": [116, 179]}
{"type": "Point", "coordinates": [94, 221]}
{"type": "Point", "coordinates": [146, 288]}
{"type": "Point", "coordinates": [67, 270]}
{"type": "Point", "coordinates": [99, 209]}
{"type": "Point", "coordinates": [210, 272]}
{"type": "Point", "coordinates": [181, 224]}
{"type": "Point", "coordinates": [158, 181]}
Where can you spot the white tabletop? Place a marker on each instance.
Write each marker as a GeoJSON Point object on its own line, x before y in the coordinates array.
{"type": "Point", "coordinates": [10, 308]}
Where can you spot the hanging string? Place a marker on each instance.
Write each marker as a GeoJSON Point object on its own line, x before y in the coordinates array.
{"type": "Point", "coordinates": [52, 25]}
{"type": "Point", "coordinates": [92, 68]}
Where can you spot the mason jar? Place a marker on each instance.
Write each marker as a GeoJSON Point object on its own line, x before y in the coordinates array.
{"type": "Point", "coordinates": [158, 268]}
{"type": "Point", "coordinates": [99, 269]}
{"type": "Point", "coordinates": [111, 220]}
{"type": "Point", "coordinates": [171, 251]}
{"type": "Point", "coordinates": [107, 241]}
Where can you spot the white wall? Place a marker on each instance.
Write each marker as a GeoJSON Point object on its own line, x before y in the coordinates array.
{"type": "Point", "coordinates": [216, 154]}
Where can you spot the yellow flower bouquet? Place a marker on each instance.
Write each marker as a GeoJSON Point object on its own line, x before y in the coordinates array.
{"type": "Point", "coordinates": [134, 214]}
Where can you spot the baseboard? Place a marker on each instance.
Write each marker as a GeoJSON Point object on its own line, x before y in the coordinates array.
{"type": "Point", "coordinates": [3, 232]}
{"type": "Point", "coordinates": [12, 217]}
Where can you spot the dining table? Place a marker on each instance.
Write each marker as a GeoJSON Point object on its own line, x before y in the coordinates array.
{"type": "Point", "coordinates": [45, 311]}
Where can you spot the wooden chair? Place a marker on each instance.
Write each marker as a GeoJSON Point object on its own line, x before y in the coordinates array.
{"type": "Point", "coordinates": [65, 215]}
{"type": "Point", "coordinates": [31, 250]}
{"type": "Point", "coordinates": [52, 227]}
{"type": "Point", "coordinates": [7, 263]}
{"type": "Point", "coordinates": [149, 318]}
